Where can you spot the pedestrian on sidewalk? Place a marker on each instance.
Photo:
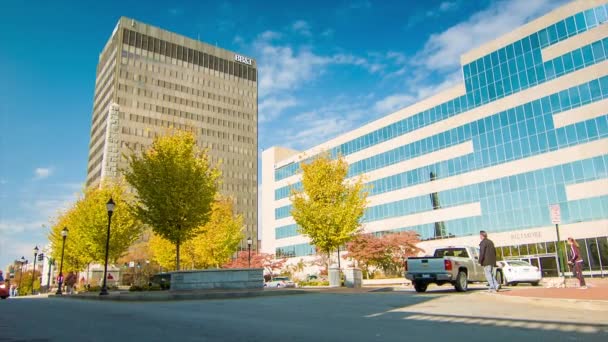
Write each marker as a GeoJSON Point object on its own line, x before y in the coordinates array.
{"type": "Point", "coordinates": [487, 259]}
{"type": "Point", "coordinates": [576, 262]}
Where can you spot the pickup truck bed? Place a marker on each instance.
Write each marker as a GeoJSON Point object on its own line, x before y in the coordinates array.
{"type": "Point", "coordinates": [454, 265]}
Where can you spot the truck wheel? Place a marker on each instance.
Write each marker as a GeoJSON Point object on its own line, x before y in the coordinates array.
{"type": "Point", "coordinates": [420, 287]}
{"type": "Point", "coordinates": [535, 283]}
{"type": "Point", "coordinates": [462, 284]}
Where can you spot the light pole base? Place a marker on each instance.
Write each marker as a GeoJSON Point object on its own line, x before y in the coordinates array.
{"type": "Point", "coordinates": [104, 292]}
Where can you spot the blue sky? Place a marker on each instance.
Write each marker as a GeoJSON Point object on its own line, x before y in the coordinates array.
{"type": "Point", "coordinates": [325, 67]}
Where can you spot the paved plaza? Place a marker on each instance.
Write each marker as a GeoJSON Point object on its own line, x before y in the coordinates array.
{"type": "Point", "coordinates": [329, 316]}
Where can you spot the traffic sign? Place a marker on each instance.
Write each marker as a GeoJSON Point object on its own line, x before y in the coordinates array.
{"type": "Point", "coordinates": [556, 217]}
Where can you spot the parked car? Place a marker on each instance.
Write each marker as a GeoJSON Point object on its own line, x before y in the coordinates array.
{"type": "Point", "coordinates": [513, 272]}
{"type": "Point", "coordinates": [162, 279]}
{"type": "Point", "coordinates": [4, 287]}
{"type": "Point", "coordinates": [457, 265]}
{"type": "Point", "coordinates": [279, 282]}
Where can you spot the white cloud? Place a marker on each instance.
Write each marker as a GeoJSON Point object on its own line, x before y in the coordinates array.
{"type": "Point", "coordinates": [42, 172]}
{"type": "Point", "coordinates": [269, 35]}
{"type": "Point", "coordinates": [360, 4]}
{"type": "Point", "coordinates": [175, 11]}
{"type": "Point", "coordinates": [271, 107]}
{"type": "Point", "coordinates": [393, 102]}
{"type": "Point", "coordinates": [309, 128]}
{"type": "Point", "coordinates": [327, 33]}
{"type": "Point", "coordinates": [447, 6]}
{"type": "Point", "coordinates": [283, 67]}
{"type": "Point", "coordinates": [301, 27]}
{"type": "Point", "coordinates": [443, 50]}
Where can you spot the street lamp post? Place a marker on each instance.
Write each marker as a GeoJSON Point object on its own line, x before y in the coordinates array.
{"type": "Point", "coordinates": [249, 243]}
{"type": "Point", "coordinates": [48, 277]}
{"type": "Point", "coordinates": [34, 269]}
{"type": "Point", "coordinates": [110, 208]}
{"type": "Point", "coordinates": [64, 234]}
{"type": "Point", "coordinates": [21, 262]}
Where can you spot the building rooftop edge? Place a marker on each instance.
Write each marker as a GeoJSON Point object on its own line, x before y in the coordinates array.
{"type": "Point", "coordinates": [124, 21]}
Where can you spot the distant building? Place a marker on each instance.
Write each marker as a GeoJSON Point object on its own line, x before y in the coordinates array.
{"type": "Point", "coordinates": [150, 80]}
{"type": "Point", "coordinates": [526, 127]}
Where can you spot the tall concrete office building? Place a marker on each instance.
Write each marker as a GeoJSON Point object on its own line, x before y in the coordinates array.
{"type": "Point", "coordinates": [525, 128]}
{"type": "Point", "coordinates": [150, 81]}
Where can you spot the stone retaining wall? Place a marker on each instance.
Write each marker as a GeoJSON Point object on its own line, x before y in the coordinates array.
{"type": "Point", "coordinates": [218, 279]}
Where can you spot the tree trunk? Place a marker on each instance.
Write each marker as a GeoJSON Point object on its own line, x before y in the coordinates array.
{"type": "Point", "coordinates": [177, 255]}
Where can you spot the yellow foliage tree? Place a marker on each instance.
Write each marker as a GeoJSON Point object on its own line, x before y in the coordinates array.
{"type": "Point", "coordinates": [175, 185]}
{"type": "Point", "coordinates": [328, 208]}
{"type": "Point", "coordinates": [87, 223]}
{"type": "Point", "coordinates": [214, 244]}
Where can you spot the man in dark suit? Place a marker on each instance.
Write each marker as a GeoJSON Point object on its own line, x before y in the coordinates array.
{"type": "Point", "coordinates": [487, 259]}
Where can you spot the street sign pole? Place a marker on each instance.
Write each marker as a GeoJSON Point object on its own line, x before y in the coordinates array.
{"type": "Point", "coordinates": [559, 253]}
{"type": "Point", "coordinates": [556, 219]}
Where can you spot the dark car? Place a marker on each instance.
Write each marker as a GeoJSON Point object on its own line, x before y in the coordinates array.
{"type": "Point", "coordinates": [4, 287]}
{"type": "Point", "coordinates": [162, 279]}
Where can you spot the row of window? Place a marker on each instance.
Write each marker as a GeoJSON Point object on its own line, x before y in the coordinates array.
{"type": "Point", "coordinates": [182, 74]}
{"type": "Point", "coordinates": [555, 33]}
{"type": "Point", "coordinates": [514, 202]}
{"type": "Point", "coordinates": [518, 75]}
{"type": "Point", "coordinates": [440, 112]}
{"type": "Point", "coordinates": [286, 231]}
{"type": "Point", "coordinates": [183, 114]}
{"type": "Point", "coordinates": [516, 133]}
{"type": "Point", "coordinates": [141, 91]}
{"type": "Point", "coordinates": [188, 55]}
{"type": "Point", "coordinates": [302, 249]}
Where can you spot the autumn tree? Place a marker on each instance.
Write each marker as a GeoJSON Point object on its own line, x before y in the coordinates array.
{"type": "Point", "coordinates": [220, 237]}
{"type": "Point", "coordinates": [87, 223]}
{"type": "Point", "coordinates": [268, 262]}
{"type": "Point", "coordinates": [176, 185]}
{"type": "Point", "coordinates": [214, 244]}
{"type": "Point", "coordinates": [328, 208]}
{"type": "Point", "coordinates": [386, 252]}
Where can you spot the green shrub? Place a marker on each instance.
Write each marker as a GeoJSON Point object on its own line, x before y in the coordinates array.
{"type": "Point", "coordinates": [135, 288]}
{"type": "Point", "coordinates": [314, 283]}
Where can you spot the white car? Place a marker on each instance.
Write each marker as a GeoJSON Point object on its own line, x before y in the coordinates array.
{"type": "Point", "coordinates": [279, 282]}
{"type": "Point", "coordinates": [513, 272]}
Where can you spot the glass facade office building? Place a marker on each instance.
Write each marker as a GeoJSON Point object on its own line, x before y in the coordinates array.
{"type": "Point", "coordinates": [526, 128]}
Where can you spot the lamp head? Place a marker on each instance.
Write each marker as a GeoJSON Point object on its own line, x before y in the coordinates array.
{"type": "Point", "coordinates": [110, 206]}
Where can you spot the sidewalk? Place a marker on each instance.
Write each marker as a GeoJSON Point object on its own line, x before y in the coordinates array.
{"type": "Point", "coordinates": [597, 290]}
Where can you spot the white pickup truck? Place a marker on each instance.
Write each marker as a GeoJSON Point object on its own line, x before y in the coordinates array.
{"type": "Point", "coordinates": [457, 265]}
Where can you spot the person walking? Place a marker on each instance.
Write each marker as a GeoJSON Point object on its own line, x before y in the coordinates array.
{"type": "Point", "coordinates": [576, 262]}
{"type": "Point", "coordinates": [487, 259]}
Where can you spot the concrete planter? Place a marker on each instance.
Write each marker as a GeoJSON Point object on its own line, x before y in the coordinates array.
{"type": "Point", "coordinates": [353, 278]}
{"type": "Point", "coordinates": [218, 279]}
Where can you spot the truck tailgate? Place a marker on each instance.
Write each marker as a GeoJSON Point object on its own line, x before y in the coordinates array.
{"type": "Point", "coordinates": [425, 265]}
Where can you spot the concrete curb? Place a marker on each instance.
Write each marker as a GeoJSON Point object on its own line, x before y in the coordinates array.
{"type": "Point", "coordinates": [175, 296]}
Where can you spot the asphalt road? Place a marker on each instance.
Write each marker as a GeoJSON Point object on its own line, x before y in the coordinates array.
{"type": "Point", "coordinates": [382, 316]}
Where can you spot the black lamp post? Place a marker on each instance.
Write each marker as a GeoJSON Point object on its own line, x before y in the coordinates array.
{"type": "Point", "coordinates": [110, 208]}
{"type": "Point", "coordinates": [48, 277]}
{"type": "Point", "coordinates": [64, 234]}
{"type": "Point", "coordinates": [22, 262]}
{"type": "Point", "coordinates": [34, 269]}
{"type": "Point", "coordinates": [249, 243]}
